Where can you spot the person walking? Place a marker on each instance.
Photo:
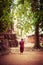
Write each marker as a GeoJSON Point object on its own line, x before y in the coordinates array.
{"type": "Point", "coordinates": [21, 45]}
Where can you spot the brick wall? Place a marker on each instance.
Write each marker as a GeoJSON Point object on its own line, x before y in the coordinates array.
{"type": "Point", "coordinates": [31, 38]}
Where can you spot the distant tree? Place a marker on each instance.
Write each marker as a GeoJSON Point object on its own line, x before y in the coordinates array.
{"type": "Point", "coordinates": [23, 15]}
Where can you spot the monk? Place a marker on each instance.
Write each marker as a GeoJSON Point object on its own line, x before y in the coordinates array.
{"type": "Point", "coordinates": [21, 45]}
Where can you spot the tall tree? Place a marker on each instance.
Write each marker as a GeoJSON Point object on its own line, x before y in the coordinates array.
{"type": "Point", "coordinates": [36, 4]}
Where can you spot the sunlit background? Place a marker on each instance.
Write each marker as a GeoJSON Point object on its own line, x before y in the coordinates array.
{"type": "Point", "coordinates": [18, 30]}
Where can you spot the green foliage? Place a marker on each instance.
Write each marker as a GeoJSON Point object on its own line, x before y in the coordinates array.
{"type": "Point", "coordinates": [37, 9]}
{"type": "Point", "coordinates": [5, 15]}
{"type": "Point", "coordinates": [23, 15]}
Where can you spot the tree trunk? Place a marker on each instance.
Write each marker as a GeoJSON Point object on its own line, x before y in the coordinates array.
{"type": "Point", "coordinates": [37, 43]}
